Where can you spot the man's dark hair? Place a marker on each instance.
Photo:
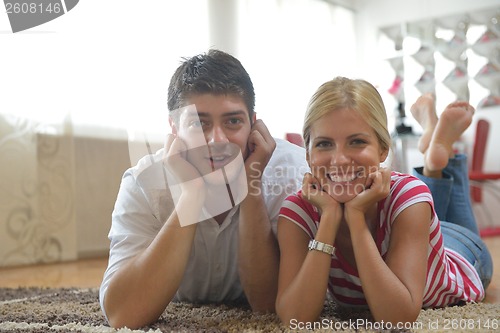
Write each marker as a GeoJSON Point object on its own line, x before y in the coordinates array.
{"type": "Point", "coordinates": [215, 72]}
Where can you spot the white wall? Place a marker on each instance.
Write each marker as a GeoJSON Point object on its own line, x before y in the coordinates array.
{"type": "Point", "coordinates": [371, 15]}
{"type": "Point", "coordinates": [386, 12]}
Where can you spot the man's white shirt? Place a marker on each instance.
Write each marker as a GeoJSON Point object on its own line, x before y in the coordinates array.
{"type": "Point", "coordinates": [144, 203]}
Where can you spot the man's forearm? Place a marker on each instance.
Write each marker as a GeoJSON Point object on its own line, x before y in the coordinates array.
{"type": "Point", "coordinates": [258, 254]}
{"type": "Point", "coordinates": [140, 290]}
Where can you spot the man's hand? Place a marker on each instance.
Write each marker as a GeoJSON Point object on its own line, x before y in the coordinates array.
{"type": "Point", "coordinates": [181, 171]}
{"type": "Point", "coordinates": [261, 146]}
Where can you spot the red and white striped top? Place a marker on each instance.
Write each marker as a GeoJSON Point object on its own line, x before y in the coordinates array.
{"type": "Point", "coordinates": [450, 277]}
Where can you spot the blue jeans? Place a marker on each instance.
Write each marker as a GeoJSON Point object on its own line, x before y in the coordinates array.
{"type": "Point", "coordinates": [452, 203]}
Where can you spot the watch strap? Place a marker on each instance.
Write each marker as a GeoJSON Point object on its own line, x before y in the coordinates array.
{"type": "Point", "coordinates": [321, 247]}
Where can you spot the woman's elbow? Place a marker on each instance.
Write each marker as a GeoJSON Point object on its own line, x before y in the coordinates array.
{"type": "Point", "coordinates": [290, 313]}
{"type": "Point", "coordinates": [298, 320]}
{"type": "Point", "coordinates": [401, 317]}
{"type": "Point", "coordinates": [283, 312]}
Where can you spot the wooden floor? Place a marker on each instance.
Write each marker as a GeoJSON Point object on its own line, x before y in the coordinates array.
{"type": "Point", "coordinates": [88, 273]}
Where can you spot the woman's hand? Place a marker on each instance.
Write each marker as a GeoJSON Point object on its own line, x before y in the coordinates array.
{"type": "Point", "coordinates": [377, 187]}
{"type": "Point", "coordinates": [314, 194]}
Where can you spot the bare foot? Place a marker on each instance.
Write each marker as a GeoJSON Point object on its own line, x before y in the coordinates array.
{"type": "Point", "coordinates": [424, 112]}
{"type": "Point", "coordinates": [454, 120]}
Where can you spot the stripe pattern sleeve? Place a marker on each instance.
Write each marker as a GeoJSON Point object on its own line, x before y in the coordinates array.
{"type": "Point", "coordinates": [450, 277]}
{"type": "Point", "coordinates": [302, 213]}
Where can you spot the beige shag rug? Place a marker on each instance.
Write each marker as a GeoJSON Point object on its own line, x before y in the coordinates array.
{"type": "Point", "coordinates": [77, 310]}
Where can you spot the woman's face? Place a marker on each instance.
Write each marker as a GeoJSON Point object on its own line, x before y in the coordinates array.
{"type": "Point", "coordinates": [342, 152]}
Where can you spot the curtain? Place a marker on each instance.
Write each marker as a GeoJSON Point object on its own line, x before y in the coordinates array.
{"type": "Point", "coordinates": [36, 194]}
{"type": "Point", "coordinates": [57, 191]}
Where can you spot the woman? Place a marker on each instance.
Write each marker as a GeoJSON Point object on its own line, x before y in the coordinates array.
{"type": "Point", "coordinates": [370, 236]}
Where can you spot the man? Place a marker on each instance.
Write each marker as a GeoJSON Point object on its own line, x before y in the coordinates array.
{"type": "Point", "coordinates": [159, 252]}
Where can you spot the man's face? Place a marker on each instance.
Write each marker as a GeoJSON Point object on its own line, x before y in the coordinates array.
{"type": "Point", "coordinates": [219, 122]}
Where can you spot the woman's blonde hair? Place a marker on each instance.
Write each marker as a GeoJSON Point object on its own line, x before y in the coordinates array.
{"type": "Point", "coordinates": [357, 95]}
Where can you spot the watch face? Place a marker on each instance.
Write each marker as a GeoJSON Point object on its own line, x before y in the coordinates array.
{"type": "Point", "coordinates": [321, 247]}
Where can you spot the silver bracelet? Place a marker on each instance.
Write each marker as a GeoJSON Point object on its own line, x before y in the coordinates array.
{"type": "Point", "coordinates": [322, 247]}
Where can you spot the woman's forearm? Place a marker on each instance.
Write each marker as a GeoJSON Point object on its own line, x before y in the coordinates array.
{"type": "Point", "coordinates": [388, 298]}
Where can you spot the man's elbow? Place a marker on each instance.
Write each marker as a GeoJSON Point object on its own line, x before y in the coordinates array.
{"type": "Point", "coordinates": [263, 303]}
{"type": "Point", "coordinates": [263, 306]}
{"type": "Point", "coordinates": [121, 316]}
{"type": "Point", "coordinates": [117, 323]}
{"type": "Point", "coordinates": [120, 320]}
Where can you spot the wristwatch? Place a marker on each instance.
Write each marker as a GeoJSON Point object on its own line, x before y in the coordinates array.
{"type": "Point", "coordinates": [322, 247]}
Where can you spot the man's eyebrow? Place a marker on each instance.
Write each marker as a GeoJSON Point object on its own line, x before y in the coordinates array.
{"type": "Point", "coordinates": [203, 114]}
{"type": "Point", "coordinates": [235, 113]}
{"type": "Point", "coordinates": [227, 114]}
